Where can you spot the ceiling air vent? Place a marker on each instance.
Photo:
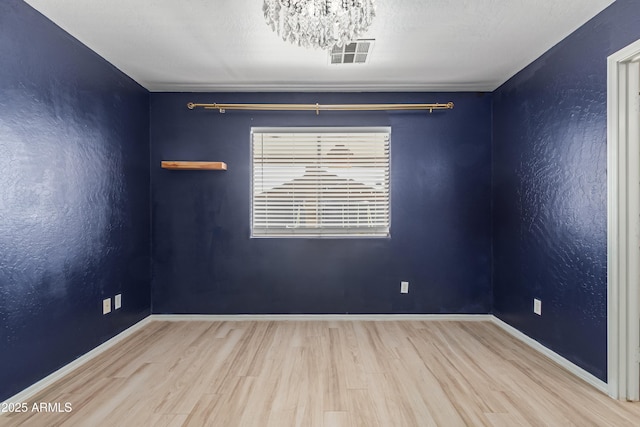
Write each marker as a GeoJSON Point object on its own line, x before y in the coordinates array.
{"type": "Point", "coordinates": [356, 52]}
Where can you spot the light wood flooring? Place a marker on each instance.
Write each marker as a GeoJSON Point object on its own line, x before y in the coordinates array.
{"type": "Point", "coordinates": [324, 373]}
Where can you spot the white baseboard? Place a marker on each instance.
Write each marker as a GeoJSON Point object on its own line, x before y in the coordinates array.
{"type": "Point", "coordinates": [321, 317]}
{"type": "Point", "coordinates": [32, 390]}
{"type": "Point", "coordinates": [50, 379]}
{"type": "Point", "coordinates": [53, 377]}
{"type": "Point", "coordinates": [566, 364]}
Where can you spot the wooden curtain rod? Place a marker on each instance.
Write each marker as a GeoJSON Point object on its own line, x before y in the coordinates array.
{"type": "Point", "coordinates": [321, 107]}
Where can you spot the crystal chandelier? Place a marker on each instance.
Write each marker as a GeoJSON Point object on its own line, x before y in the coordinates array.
{"type": "Point", "coordinates": [319, 23]}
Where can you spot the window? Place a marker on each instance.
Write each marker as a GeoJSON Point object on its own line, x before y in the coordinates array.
{"type": "Point", "coordinates": [320, 182]}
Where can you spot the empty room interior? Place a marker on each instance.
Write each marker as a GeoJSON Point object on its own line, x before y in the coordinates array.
{"type": "Point", "coordinates": [319, 213]}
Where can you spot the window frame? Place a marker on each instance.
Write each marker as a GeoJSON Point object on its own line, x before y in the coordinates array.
{"type": "Point", "coordinates": [323, 129]}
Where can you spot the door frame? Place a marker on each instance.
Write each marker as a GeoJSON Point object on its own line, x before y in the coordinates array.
{"type": "Point", "coordinates": [623, 204]}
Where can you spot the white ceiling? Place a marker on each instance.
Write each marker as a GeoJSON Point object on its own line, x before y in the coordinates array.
{"type": "Point", "coordinates": [225, 45]}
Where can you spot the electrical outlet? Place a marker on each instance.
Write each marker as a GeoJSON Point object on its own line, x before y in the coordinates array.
{"type": "Point", "coordinates": [404, 287]}
{"type": "Point", "coordinates": [537, 306]}
{"type": "Point", "coordinates": [106, 306]}
{"type": "Point", "coordinates": [117, 301]}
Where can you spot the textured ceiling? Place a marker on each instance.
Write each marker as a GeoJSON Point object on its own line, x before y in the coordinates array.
{"type": "Point", "coordinates": [224, 45]}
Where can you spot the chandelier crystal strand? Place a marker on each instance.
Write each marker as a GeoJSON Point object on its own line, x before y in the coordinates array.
{"type": "Point", "coordinates": [319, 23]}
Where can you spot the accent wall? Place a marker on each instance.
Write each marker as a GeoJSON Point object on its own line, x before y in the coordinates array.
{"type": "Point", "coordinates": [550, 191]}
{"type": "Point", "coordinates": [205, 261]}
{"type": "Point", "coordinates": [74, 198]}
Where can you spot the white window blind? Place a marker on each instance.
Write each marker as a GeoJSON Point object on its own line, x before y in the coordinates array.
{"type": "Point", "coordinates": [320, 182]}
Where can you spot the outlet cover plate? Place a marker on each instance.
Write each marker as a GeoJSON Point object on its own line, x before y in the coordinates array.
{"type": "Point", "coordinates": [404, 287]}
{"type": "Point", "coordinates": [106, 306]}
{"type": "Point", "coordinates": [117, 301]}
{"type": "Point", "coordinates": [537, 306]}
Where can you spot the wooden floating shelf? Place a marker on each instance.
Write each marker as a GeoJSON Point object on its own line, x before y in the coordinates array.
{"type": "Point", "coordinates": [180, 165]}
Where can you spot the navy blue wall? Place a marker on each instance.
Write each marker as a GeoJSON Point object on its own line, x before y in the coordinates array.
{"type": "Point", "coordinates": [204, 261]}
{"type": "Point", "coordinates": [550, 191]}
{"type": "Point", "coordinates": [74, 198]}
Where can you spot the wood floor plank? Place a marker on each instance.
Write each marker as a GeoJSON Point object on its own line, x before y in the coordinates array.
{"type": "Point", "coordinates": [362, 409]}
{"type": "Point", "coordinates": [336, 419]}
{"type": "Point", "coordinates": [351, 358]}
{"type": "Point", "coordinates": [323, 373]}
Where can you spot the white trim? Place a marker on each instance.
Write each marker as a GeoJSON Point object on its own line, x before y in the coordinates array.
{"type": "Point", "coordinates": [320, 317]}
{"type": "Point", "coordinates": [318, 87]}
{"type": "Point", "coordinates": [566, 364]}
{"type": "Point", "coordinates": [65, 370]}
{"type": "Point", "coordinates": [284, 157]}
{"type": "Point", "coordinates": [619, 324]}
{"type": "Point", "coordinates": [612, 229]}
{"type": "Point", "coordinates": [32, 390]}
{"type": "Point", "coordinates": [633, 218]}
